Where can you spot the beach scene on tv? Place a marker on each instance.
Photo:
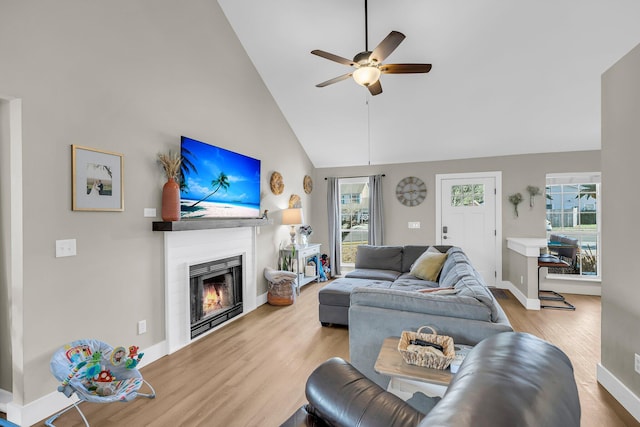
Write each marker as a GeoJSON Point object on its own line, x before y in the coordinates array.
{"type": "Point", "coordinates": [217, 183]}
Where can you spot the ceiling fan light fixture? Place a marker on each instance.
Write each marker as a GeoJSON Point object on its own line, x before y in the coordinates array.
{"type": "Point", "coordinates": [366, 75]}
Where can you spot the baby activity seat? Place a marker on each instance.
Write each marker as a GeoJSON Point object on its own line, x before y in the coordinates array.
{"type": "Point", "coordinates": [97, 372]}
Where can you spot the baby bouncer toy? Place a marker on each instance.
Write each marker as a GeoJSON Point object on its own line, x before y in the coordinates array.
{"type": "Point", "coordinates": [97, 372]}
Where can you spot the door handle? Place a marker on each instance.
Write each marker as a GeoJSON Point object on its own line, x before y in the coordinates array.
{"type": "Point", "coordinates": [444, 237]}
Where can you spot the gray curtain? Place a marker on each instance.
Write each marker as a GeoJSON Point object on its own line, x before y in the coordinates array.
{"type": "Point", "coordinates": [376, 211]}
{"type": "Point", "coordinates": [333, 213]}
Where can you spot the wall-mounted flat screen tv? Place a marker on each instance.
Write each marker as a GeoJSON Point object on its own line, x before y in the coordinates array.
{"type": "Point", "coordinates": [217, 183]}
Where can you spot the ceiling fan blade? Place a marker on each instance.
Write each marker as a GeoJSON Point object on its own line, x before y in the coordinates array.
{"type": "Point", "coordinates": [375, 89]}
{"type": "Point", "coordinates": [404, 68]}
{"type": "Point", "coordinates": [332, 57]}
{"type": "Point", "coordinates": [334, 80]}
{"type": "Point", "coordinates": [386, 46]}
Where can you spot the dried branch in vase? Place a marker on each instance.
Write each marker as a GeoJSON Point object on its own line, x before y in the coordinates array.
{"type": "Point", "coordinates": [170, 163]}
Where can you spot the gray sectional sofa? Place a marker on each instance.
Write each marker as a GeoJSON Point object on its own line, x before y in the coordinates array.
{"type": "Point", "coordinates": [381, 299]}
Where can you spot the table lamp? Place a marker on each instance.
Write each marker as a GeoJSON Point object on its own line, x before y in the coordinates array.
{"type": "Point", "coordinates": [292, 217]}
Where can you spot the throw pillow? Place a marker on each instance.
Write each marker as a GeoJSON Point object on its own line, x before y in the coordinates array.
{"type": "Point", "coordinates": [428, 265]}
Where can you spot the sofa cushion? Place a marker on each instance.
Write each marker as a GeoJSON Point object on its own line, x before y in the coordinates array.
{"type": "Point", "coordinates": [373, 274]}
{"type": "Point", "coordinates": [448, 264]}
{"type": "Point", "coordinates": [428, 265]}
{"type": "Point", "coordinates": [410, 253]}
{"type": "Point", "coordinates": [338, 292]}
{"type": "Point", "coordinates": [408, 282]}
{"type": "Point", "coordinates": [379, 257]}
{"type": "Point", "coordinates": [471, 286]}
{"type": "Point", "coordinates": [456, 272]}
{"type": "Point", "coordinates": [462, 307]}
{"type": "Point", "coordinates": [454, 255]}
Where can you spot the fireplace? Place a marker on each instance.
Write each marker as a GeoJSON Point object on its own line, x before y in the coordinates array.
{"type": "Point", "coordinates": [215, 290]}
{"type": "Point", "coordinates": [188, 248]}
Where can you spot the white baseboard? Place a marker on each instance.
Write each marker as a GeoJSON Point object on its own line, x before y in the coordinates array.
{"type": "Point", "coordinates": [619, 391]}
{"type": "Point", "coordinates": [39, 409]}
{"type": "Point", "coordinates": [261, 299]}
{"type": "Point", "coordinates": [528, 303]}
{"type": "Point", "coordinates": [53, 402]}
{"type": "Point", "coordinates": [153, 353]}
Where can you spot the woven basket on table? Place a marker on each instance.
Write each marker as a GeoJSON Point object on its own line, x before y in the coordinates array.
{"type": "Point", "coordinates": [427, 360]}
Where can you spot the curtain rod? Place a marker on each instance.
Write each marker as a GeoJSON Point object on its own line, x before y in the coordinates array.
{"type": "Point", "coordinates": [345, 177]}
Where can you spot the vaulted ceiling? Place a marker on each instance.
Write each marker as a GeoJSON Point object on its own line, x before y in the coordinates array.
{"type": "Point", "coordinates": [508, 77]}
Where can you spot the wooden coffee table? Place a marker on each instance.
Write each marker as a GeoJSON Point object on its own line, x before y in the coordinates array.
{"type": "Point", "coordinates": [407, 379]}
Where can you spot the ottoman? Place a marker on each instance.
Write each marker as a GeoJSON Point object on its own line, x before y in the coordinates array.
{"type": "Point", "coordinates": [335, 299]}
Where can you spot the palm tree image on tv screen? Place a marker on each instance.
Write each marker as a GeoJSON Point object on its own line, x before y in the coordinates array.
{"type": "Point", "coordinates": [217, 183]}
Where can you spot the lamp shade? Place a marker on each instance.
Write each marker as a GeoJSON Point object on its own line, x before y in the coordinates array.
{"type": "Point", "coordinates": [292, 216]}
{"type": "Point", "coordinates": [366, 75]}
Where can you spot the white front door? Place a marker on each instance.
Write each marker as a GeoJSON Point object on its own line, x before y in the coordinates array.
{"type": "Point", "coordinates": [467, 218]}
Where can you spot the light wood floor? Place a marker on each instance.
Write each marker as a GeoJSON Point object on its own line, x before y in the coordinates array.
{"type": "Point", "coordinates": [252, 372]}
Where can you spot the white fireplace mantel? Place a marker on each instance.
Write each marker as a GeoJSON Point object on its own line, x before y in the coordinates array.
{"type": "Point", "coordinates": [185, 248]}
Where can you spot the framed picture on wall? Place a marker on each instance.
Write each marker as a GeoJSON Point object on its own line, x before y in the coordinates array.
{"type": "Point", "coordinates": [97, 180]}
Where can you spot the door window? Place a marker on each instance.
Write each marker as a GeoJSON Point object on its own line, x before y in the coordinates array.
{"type": "Point", "coordinates": [467, 195]}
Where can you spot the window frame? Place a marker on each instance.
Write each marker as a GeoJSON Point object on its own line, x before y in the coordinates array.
{"type": "Point", "coordinates": [583, 232]}
{"type": "Point", "coordinates": [363, 215]}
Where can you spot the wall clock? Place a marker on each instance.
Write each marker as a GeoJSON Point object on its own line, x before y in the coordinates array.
{"type": "Point", "coordinates": [277, 183]}
{"type": "Point", "coordinates": [411, 191]}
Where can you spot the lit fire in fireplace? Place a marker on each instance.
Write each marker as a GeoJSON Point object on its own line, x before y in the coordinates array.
{"type": "Point", "coordinates": [212, 300]}
{"type": "Point", "coordinates": [215, 297]}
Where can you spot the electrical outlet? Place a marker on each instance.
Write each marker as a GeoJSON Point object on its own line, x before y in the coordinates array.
{"type": "Point", "coordinates": [521, 280]}
{"type": "Point", "coordinates": [142, 327]}
{"type": "Point", "coordinates": [414, 224]}
{"type": "Point", "coordinates": [149, 212]}
{"type": "Point", "coordinates": [637, 362]}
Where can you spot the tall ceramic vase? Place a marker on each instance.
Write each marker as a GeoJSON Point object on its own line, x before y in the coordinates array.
{"type": "Point", "coordinates": [171, 201]}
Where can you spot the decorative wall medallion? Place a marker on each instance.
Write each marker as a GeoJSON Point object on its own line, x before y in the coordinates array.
{"type": "Point", "coordinates": [294, 201]}
{"type": "Point", "coordinates": [411, 191]}
{"type": "Point", "coordinates": [307, 184]}
{"type": "Point", "coordinates": [277, 183]}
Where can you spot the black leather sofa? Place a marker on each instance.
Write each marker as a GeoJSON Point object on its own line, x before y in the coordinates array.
{"type": "Point", "coordinates": [509, 379]}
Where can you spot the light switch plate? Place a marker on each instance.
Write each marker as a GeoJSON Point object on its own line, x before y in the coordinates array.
{"type": "Point", "coordinates": [65, 248]}
{"type": "Point", "coordinates": [414, 224]}
{"type": "Point", "coordinates": [150, 212]}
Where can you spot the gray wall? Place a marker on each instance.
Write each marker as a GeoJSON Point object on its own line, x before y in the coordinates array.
{"type": "Point", "coordinates": [620, 154]}
{"type": "Point", "coordinates": [522, 268]}
{"type": "Point", "coordinates": [517, 173]}
{"type": "Point", "coordinates": [128, 77]}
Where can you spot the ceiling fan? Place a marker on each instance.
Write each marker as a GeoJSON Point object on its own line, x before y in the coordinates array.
{"type": "Point", "coordinates": [368, 64]}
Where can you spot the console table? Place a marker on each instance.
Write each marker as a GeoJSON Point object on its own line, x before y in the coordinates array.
{"type": "Point", "coordinates": [302, 255]}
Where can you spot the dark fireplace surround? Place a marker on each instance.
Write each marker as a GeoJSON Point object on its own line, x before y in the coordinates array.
{"type": "Point", "coordinates": [215, 289]}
